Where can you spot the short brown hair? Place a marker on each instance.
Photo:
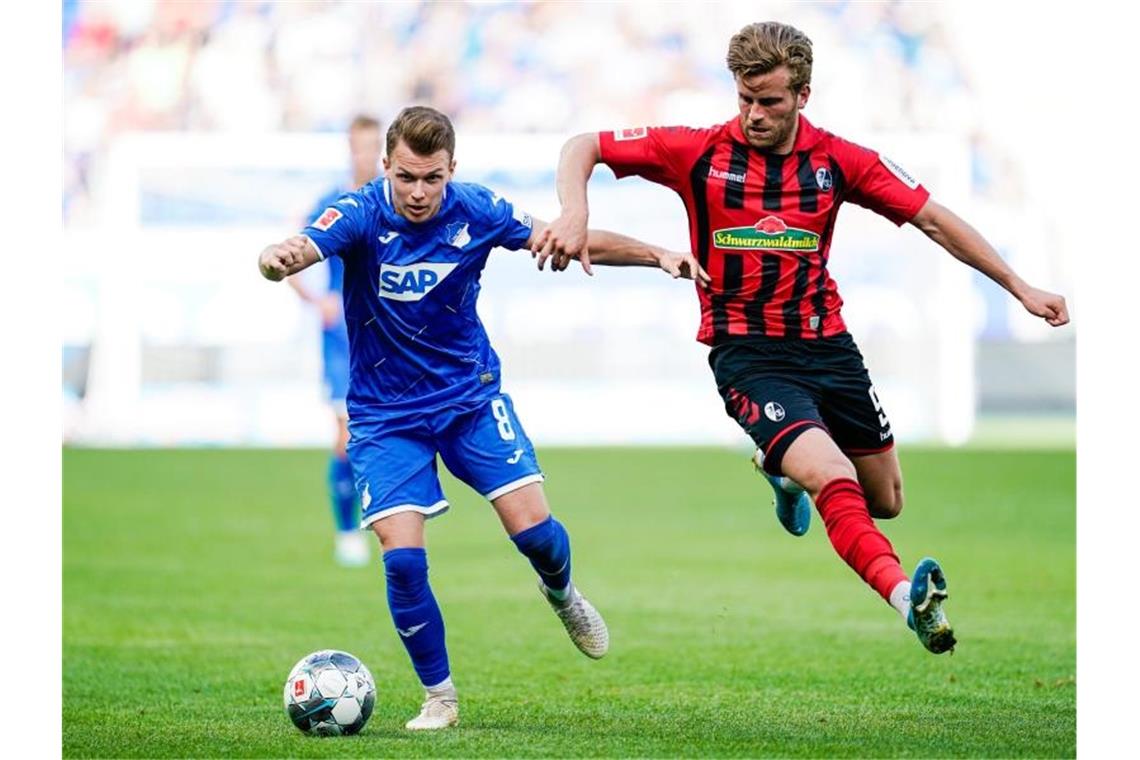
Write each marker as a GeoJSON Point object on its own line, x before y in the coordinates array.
{"type": "Point", "coordinates": [363, 121]}
{"type": "Point", "coordinates": [424, 130]}
{"type": "Point", "coordinates": [762, 47]}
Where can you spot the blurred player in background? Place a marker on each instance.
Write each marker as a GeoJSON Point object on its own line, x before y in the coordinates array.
{"type": "Point", "coordinates": [351, 548]}
{"type": "Point", "coordinates": [762, 192]}
{"type": "Point", "coordinates": [425, 379]}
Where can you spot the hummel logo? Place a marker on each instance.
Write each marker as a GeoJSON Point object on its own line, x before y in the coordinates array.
{"type": "Point", "coordinates": [411, 631]}
{"type": "Point", "coordinates": [517, 455]}
{"type": "Point", "coordinates": [388, 237]}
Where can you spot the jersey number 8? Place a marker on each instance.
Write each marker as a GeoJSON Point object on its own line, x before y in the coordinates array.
{"type": "Point", "coordinates": [499, 410]}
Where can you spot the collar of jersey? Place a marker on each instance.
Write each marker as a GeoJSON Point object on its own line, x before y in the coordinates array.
{"type": "Point", "coordinates": [807, 134]}
{"type": "Point", "coordinates": [402, 223]}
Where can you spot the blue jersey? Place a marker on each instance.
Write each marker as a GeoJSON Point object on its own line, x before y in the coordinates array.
{"type": "Point", "coordinates": [416, 341]}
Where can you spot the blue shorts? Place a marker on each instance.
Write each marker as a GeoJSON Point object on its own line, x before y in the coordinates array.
{"type": "Point", "coordinates": [334, 359]}
{"type": "Point", "coordinates": [394, 460]}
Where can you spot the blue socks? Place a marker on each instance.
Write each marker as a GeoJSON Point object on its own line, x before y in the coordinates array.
{"type": "Point", "coordinates": [416, 614]}
{"type": "Point", "coordinates": [547, 546]}
{"type": "Point", "coordinates": [342, 493]}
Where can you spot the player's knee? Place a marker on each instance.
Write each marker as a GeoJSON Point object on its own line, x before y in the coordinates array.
{"type": "Point", "coordinates": [405, 570]}
{"type": "Point", "coordinates": [818, 474]}
{"type": "Point", "coordinates": [887, 504]}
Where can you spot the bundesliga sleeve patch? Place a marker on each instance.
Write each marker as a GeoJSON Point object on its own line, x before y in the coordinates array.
{"type": "Point", "coordinates": [523, 218]}
{"type": "Point", "coordinates": [327, 219]}
{"type": "Point", "coordinates": [636, 133]}
{"type": "Point", "coordinates": [902, 174]}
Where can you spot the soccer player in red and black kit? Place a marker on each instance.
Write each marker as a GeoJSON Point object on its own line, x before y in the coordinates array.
{"type": "Point", "coordinates": [762, 192]}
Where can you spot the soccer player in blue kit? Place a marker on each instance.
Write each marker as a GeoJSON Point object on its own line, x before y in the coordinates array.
{"type": "Point", "coordinates": [425, 380]}
{"type": "Point", "coordinates": [350, 549]}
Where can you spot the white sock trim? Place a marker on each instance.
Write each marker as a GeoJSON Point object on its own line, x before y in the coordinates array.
{"type": "Point", "coordinates": [559, 594]}
{"type": "Point", "coordinates": [900, 598]}
{"type": "Point", "coordinates": [443, 687]}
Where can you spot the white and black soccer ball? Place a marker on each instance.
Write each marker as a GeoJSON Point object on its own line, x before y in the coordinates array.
{"type": "Point", "coordinates": [329, 693]}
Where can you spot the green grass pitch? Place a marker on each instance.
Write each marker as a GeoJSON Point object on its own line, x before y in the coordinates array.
{"type": "Point", "coordinates": [193, 580]}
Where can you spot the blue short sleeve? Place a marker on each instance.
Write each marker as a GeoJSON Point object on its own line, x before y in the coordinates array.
{"type": "Point", "coordinates": [339, 227]}
{"type": "Point", "coordinates": [512, 226]}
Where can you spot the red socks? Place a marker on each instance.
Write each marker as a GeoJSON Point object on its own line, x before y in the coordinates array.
{"type": "Point", "coordinates": [843, 507]}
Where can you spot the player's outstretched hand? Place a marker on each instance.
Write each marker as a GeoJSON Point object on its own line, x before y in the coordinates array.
{"type": "Point", "coordinates": [684, 265]}
{"type": "Point", "coordinates": [562, 241]}
{"type": "Point", "coordinates": [1050, 306]}
{"type": "Point", "coordinates": [279, 261]}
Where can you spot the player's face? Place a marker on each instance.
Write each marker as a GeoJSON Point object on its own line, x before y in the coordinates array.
{"type": "Point", "coordinates": [769, 109]}
{"type": "Point", "coordinates": [365, 148]}
{"type": "Point", "coordinates": [417, 181]}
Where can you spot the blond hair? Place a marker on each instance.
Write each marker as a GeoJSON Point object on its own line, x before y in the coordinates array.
{"type": "Point", "coordinates": [762, 47]}
{"type": "Point", "coordinates": [423, 129]}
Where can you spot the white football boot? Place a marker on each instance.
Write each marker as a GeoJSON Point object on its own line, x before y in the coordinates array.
{"type": "Point", "coordinates": [586, 628]}
{"type": "Point", "coordinates": [438, 711]}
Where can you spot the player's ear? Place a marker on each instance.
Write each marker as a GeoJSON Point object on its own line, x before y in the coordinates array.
{"type": "Point", "coordinates": [387, 164]}
{"type": "Point", "coordinates": [802, 98]}
{"type": "Point", "coordinates": [451, 169]}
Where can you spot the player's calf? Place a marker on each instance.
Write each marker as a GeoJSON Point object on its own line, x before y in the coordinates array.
{"type": "Point", "coordinates": [416, 614]}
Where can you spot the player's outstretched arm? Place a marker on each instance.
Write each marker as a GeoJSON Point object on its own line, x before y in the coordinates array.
{"type": "Point", "coordinates": [566, 235]}
{"type": "Point", "coordinates": [967, 245]}
{"type": "Point", "coordinates": [617, 250]}
{"type": "Point", "coordinates": [290, 256]}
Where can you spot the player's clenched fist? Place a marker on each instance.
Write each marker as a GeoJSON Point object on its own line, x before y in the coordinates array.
{"type": "Point", "coordinates": [279, 261]}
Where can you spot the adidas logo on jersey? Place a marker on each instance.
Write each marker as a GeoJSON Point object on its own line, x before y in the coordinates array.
{"type": "Point", "coordinates": [411, 283]}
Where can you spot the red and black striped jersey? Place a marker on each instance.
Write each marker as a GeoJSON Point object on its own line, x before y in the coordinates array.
{"type": "Point", "coordinates": [761, 223]}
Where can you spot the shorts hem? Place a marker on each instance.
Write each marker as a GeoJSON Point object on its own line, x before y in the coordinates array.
{"type": "Point", "coordinates": [514, 485]}
{"type": "Point", "coordinates": [869, 452]}
{"type": "Point", "coordinates": [435, 510]}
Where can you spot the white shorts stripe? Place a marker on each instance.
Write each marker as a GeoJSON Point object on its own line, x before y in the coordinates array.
{"type": "Point", "coordinates": [514, 485]}
{"type": "Point", "coordinates": [435, 510]}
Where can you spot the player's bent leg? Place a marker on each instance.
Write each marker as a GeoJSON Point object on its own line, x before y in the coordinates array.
{"type": "Point", "coordinates": [522, 508]}
{"type": "Point", "coordinates": [881, 479]}
{"type": "Point", "coordinates": [814, 460]}
{"type": "Point", "coordinates": [416, 616]}
{"type": "Point", "coordinates": [544, 541]}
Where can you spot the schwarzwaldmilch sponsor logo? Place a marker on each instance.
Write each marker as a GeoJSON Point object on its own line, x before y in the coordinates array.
{"type": "Point", "coordinates": [770, 233]}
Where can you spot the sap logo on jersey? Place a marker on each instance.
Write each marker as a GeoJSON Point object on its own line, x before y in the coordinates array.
{"type": "Point", "coordinates": [411, 283]}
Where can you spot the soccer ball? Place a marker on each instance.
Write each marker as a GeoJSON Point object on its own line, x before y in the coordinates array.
{"type": "Point", "coordinates": [329, 693]}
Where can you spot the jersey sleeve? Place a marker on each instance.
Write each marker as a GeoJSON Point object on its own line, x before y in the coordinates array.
{"type": "Point", "coordinates": [510, 225]}
{"type": "Point", "coordinates": [877, 183]}
{"type": "Point", "coordinates": [659, 154]}
{"type": "Point", "coordinates": [340, 226]}
{"type": "Point", "coordinates": [322, 203]}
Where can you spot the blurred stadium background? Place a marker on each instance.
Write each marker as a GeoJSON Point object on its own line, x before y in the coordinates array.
{"type": "Point", "coordinates": [196, 132]}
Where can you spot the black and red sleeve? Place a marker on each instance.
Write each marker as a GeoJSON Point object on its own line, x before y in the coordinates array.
{"type": "Point", "coordinates": [877, 183]}
{"type": "Point", "coordinates": [659, 154]}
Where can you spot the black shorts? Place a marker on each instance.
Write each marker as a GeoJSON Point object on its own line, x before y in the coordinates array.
{"type": "Point", "coordinates": [776, 389]}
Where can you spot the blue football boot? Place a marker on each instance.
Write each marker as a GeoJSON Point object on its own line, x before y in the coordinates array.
{"type": "Point", "coordinates": [793, 507]}
{"type": "Point", "coordinates": [926, 618]}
